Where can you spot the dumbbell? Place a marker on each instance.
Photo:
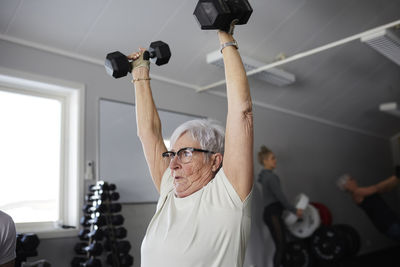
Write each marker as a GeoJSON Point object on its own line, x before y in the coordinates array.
{"type": "Point", "coordinates": [102, 195]}
{"type": "Point", "coordinates": [27, 242]}
{"type": "Point", "coordinates": [102, 186]}
{"type": "Point", "coordinates": [111, 207]}
{"type": "Point", "coordinates": [80, 262]}
{"type": "Point", "coordinates": [76, 261]}
{"type": "Point", "coordinates": [96, 234]}
{"type": "Point", "coordinates": [118, 65]}
{"type": "Point", "coordinates": [217, 14]}
{"type": "Point", "coordinates": [101, 220]}
{"type": "Point", "coordinates": [119, 232]}
{"type": "Point", "coordinates": [121, 246]}
{"type": "Point", "coordinates": [94, 249]}
{"type": "Point", "coordinates": [125, 260]}
{"type": "Point", "coordinates": [88, 220]}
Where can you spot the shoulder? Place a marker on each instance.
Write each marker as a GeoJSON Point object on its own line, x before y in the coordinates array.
{"type": "Point", "coordinates": [221, 185]}
{"type": "Point", "coordinates": [8, 230]}
{"type": "Point", "coordinates": [5, 219]}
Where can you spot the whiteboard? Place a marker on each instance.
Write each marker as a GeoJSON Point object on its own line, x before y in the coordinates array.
{"type": "Point", "coordinates": [121, 158]}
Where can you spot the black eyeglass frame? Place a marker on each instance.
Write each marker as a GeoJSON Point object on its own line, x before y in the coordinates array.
{"type": "Point", "coordinates": [167, 154]}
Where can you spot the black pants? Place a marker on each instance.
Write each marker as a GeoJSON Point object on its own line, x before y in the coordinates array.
{"type": "Point", "coordinates": [273, 219]}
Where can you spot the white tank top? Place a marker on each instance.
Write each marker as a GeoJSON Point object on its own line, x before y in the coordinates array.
{"type": "Point", "coordinates": [209, 228]}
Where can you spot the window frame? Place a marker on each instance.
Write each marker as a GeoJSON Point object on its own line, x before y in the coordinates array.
{"type": "Point", "coordinates": [72, 97]}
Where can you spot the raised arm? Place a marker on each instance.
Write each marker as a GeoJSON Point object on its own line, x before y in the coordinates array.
{"type": "Point", "coordinates": [238, 156]}
{"type": "Point", "coordinates": [148, 121]}
{"type": "Point", "coordinates": [384, 186]}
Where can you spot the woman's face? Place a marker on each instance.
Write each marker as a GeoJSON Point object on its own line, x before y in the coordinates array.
{"type": "Point", "coordinates": [192, 176]}
{"type": "Point", "coordinates": [270, 161]}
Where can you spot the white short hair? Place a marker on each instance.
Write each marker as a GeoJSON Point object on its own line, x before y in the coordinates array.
{"type": "Point", "coordinates": [209, 133]}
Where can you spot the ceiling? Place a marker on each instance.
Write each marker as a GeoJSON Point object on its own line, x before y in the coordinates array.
{"type": "Point", "coordinates": [342, 86]}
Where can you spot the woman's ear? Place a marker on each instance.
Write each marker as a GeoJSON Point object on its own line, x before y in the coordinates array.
{"type": "Point", "coordinates": [217, 161]}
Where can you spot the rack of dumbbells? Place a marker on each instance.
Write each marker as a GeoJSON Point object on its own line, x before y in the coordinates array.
{"type": "Point", "coordinates": [102, 230]}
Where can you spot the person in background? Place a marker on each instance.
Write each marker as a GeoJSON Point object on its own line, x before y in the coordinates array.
{"type": "Point", "coordinates": [369, 199]}
{"type": "Point", "coordinates": [274, 202]}
{"type": "Point", "coordinates": [8, 240]}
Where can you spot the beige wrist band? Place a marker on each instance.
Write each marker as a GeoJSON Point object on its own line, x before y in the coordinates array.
{"type": "Point", "coordinates": [140, 62]}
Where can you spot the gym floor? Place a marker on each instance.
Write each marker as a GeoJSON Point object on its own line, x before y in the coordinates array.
{"type": "Point", "coordinates": [383, 258]}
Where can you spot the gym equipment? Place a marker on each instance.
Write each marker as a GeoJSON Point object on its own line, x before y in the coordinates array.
{"type": "Point", "coordinates": [100, 195]}
{"type": "Point", "coordinates": [102, 186]}
{"type": "Point", "coordinates": [119, 232]}
{"type": "Point", "coordinates": [335, 243]}
{"type": "Point", "coordinates": [99, 222]}
{"type": "Point", "coordinates": [124, 259]}
{"type": "Point", "coordinates": [297, 254]}
{"type": "Point", "coordinates": [80, 261]}
{"type": "Point", "coordinates": [305, 226]}
{"type": "Point", "coordinates": [29, 241]}
{"type": "Point", "coordinates": [120, 246]}
{"type": "Point", "coordinates": [38, 263]}
{"type": "Point", "coordinates": [324, 213]}
{"type": "Point", "coordinates": [97, 235]}
{"type": "Point", "coordinates": [219, 14]}
{"type": "Point", "coordinates": [26, 246]}
{"type": "Point", "coordinates": [118, 65]}
{"type": "Point", "coordinates": [301, 201]}
{"type": "Point", "coordinates": [94, 249]}
{"type": "Point", "coordinates": [352, 237]}
{"type": "Point", "coordinates": [76, 261]}
{"type": "Point", "coordinates": [83, 234]}
{"type": "Point", "coordinates": [113, 207]}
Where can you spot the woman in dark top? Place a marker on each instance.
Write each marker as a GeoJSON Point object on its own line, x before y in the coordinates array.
{"type": "Point", "coordinates": [274, 202]}
{"type": "Point", "coordinates": [369, 199]}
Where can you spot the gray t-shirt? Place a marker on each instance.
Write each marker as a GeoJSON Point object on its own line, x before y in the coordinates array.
{"type": "Point", "coordinates": [272, 191]}
{"type": "Point", "coordinates": [8, 238]}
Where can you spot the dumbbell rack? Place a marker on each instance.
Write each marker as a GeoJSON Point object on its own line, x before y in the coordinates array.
{"type": "Point", "coordinates": [101, 222]}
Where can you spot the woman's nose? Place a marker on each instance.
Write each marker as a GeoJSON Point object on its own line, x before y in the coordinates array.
{"type": "Point", "coordinates": [174, 164]}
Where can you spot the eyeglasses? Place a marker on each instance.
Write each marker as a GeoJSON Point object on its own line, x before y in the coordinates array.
{"type": "Point", "coordinates": [184, 154]}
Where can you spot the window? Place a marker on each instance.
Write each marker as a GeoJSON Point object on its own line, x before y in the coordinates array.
{"type": "Point", "coordinates": [41, 152]}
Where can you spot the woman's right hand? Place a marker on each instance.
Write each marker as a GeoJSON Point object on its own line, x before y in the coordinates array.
{"type": "Point", "coordinates": [299, 213]}
{"type": "Point", "coordinates": [142, 71]}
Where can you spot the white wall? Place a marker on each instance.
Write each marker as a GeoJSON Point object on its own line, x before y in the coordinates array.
{"type": "Point", "coordinates": [310, 155]}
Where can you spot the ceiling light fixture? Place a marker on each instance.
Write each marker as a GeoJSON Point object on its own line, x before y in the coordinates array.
{"type": "Point", "coordinates": [386, 42]}
{"type": "Point", "coordinates": [273, 76]}
{"type": "Point", "coordinates": [391, 108]}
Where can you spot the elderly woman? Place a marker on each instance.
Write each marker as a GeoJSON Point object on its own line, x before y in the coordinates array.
{"type": "Point", "coordinates": [203, 213]}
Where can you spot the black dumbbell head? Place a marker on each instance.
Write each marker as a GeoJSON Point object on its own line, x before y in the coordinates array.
{"type": "Point", "coordinates": [117, 64]}
{"type": "Point", "coordinates": [240, 10]}
{"type": "Point", "coordinates": [159, 53]}
{"type": "Point", "coordinates": [210, 14]}
{"type": "Point", "coordinates": [217, 14]}
{"type": "Point", "coordinates": [76, 261]}
{"type": "Point", "coordinates": [29, 241]}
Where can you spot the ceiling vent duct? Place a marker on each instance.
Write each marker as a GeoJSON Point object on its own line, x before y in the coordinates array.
{"type": "Point", "coordinates": [273, 75]}
{"type": "Point", "coordinates": [386, 42]}
{"type": "Point", "coordinates": [391, 108]}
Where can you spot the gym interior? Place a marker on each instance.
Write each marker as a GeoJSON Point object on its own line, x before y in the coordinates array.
{"type": "Point", "coordinates": [326, 100]}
